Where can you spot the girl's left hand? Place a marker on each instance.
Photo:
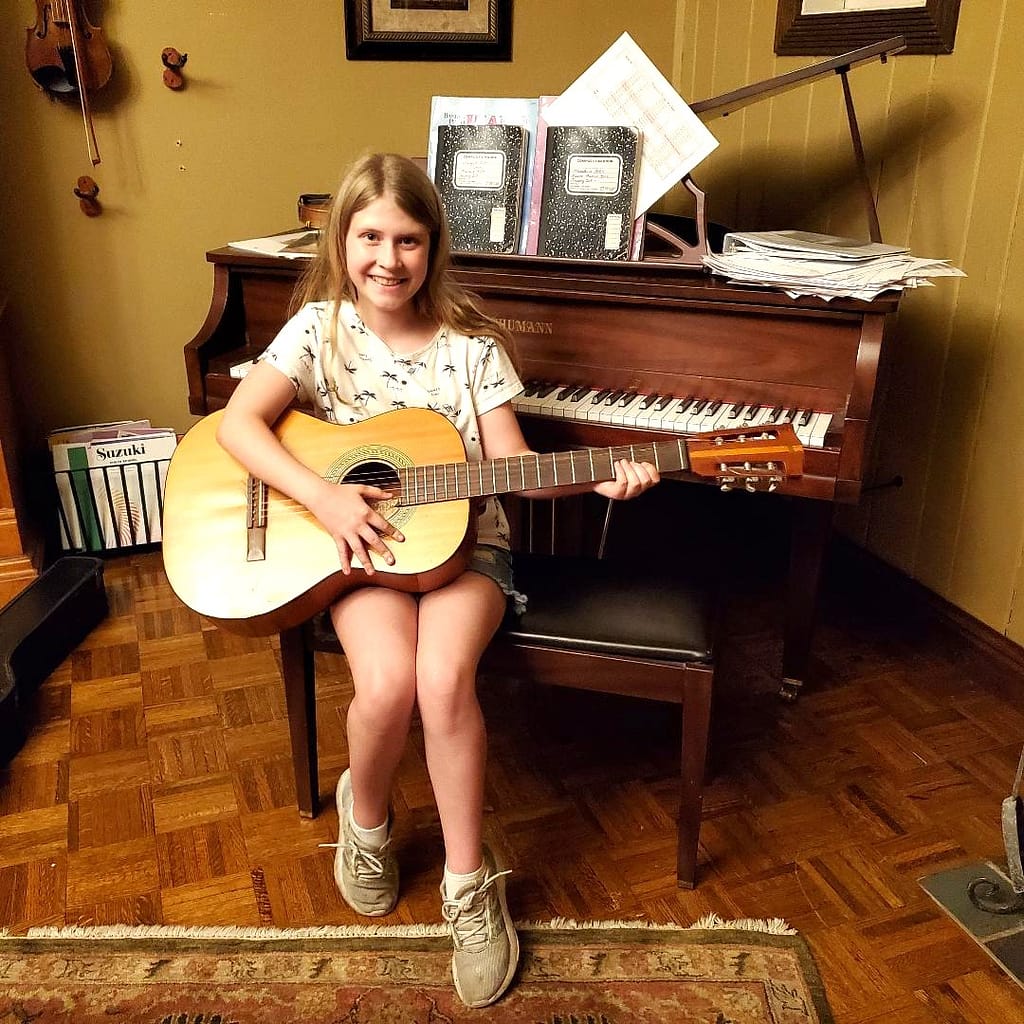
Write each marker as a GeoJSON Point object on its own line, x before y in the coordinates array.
{"type": "Point", "coordinates": [631, 479]}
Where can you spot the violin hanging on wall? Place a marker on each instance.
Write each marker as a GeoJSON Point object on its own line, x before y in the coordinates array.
{"type": "Point", "coordinates": [67, 56]}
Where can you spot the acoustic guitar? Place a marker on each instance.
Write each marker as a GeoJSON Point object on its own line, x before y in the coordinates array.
{"type": "Point", "coordinates": [256, 561]}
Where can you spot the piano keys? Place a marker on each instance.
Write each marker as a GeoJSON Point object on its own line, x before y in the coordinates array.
{"type": "Point", "coordinates": [669, 413]}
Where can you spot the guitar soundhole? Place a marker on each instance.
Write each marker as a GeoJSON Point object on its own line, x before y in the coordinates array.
{"type": "Point", "coordinates": [373, 474]}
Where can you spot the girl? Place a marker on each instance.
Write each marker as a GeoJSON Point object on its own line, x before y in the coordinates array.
{"type": "Point", "coordinates": [380, 326]}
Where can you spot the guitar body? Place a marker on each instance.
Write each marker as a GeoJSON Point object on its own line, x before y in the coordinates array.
{"type": "Point", "coordinates": [208, 544]}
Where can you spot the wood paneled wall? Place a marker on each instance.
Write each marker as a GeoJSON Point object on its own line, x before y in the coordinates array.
{"type": "Point", "coordinates": [945, 139]}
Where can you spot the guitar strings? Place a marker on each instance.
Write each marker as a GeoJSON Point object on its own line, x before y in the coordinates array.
{"type": "Point", "coordinates": [440, 471]}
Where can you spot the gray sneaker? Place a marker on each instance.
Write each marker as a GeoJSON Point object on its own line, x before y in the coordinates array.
{"type": "Point", "coordinates": [486, 945]}
{"type": "Point", "coordinates": [367, 878]}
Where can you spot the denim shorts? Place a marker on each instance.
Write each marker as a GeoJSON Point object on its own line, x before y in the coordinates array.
{"type": "Point", "coordinates": [496, 564]}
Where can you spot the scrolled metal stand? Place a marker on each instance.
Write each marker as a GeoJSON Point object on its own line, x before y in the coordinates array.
{"type": "Point", "coordinates": [988, 895]}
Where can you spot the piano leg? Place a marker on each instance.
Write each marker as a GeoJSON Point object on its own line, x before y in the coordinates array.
{"type": "Point", "coordinates": [811, 529]}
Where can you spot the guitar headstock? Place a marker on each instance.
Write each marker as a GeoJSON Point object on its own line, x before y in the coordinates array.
{"type": "Point", "coordinates": [757, 459]}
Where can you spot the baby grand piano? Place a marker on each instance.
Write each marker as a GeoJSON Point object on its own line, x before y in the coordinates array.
{"type": "Point", "coordinates": [649, 348]}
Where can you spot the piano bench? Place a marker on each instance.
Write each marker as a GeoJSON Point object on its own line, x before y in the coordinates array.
{"type": "Point", "coordinates": [589, 624]}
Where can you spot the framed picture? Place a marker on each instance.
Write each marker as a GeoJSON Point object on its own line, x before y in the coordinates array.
{"type": "Point", "coordinates": [428, 29]}
{"type": "Point", "coordinates": [814, 27]}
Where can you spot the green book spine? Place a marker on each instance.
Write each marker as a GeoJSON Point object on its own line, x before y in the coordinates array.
{"type": "Point", "coordinates": [85, 501]}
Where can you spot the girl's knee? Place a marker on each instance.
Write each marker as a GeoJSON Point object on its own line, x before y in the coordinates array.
{"type": "Point", "coordinates": [385, 696]}
{"type": "Point", "coordinates": [445, 696]}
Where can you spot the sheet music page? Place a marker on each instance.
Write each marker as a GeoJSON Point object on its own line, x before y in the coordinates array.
{"type": "Point", "coordinates": [624, 87]}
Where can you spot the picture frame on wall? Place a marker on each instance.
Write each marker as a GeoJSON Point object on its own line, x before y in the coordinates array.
{"type": "Point", "coordinates": [456, 30]}
{"type": "Point", "coordinates": [822, 27]}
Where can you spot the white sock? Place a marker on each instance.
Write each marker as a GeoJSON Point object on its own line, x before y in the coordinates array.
{"type": "Point", "coordinates": [374, 838]}
{"type": "Point", "coordinates": [454, 884]}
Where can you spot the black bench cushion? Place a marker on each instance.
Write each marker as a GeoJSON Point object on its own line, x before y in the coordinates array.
{"type": "Point", "coordinates": [610, 608]}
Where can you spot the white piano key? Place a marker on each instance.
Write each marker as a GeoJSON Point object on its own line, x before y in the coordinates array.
{"type": "Point", "coordinates": [820, 429]}
{"type": "Point", "coordinates": [636, 408]}
{"type": "Point", "coordinates": [643, 416]}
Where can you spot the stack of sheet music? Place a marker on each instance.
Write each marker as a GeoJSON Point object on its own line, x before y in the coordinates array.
{"type": "Point", "coordinates": [805, 263]}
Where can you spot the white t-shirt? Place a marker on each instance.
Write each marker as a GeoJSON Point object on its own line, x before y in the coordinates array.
{"type": "Point", "coordinates": [358, 376]}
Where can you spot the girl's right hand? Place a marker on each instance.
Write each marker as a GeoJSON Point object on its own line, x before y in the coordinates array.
{"type": "Point", "coordinates": [346, 512]}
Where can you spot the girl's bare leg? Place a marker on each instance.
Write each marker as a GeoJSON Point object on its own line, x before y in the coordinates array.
{"type": "Point", "coordinates": [455, 625]}
{"type": "Point", "coordinates": [378, 632]}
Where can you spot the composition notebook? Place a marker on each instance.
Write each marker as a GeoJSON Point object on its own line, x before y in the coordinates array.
{"type": "Point", "coordinates": [589, 195]}
{"type": "Point", "coordinates": [479, 172]}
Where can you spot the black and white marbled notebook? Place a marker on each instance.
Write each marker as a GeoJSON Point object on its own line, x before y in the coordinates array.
{"type": "Point", "coordinates": [479, 173]}
{"type": "Point", "coordinates": [589, 195]}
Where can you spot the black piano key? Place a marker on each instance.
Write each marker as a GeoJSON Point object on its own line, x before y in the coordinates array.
{"type": "Point", "coordinates": [546, 390]}
{"type": "Point", "coordinates": [613, 397]}
{"type": "Point", "coordinates": [663, 403]}
{"type": "Point", "coordinates": [649, 401]}
{"type": "Point", "coordinates": [805, 418]}
{"type": "Point", "coordinates": [580, 393]}
{"type": "Point", "coordinates": [684, 405]}
{"type": "Point", "coordinates": [531, 387]}
{"type": "Point", "coordinates": [713, 407]}
{"type": "Point", "coordinates": [776, 413]}
{"type": "Point", "coordinates": [566, 392]}
{"type": "Point", "coordinates": [601, 396]}
{"type": "Point", "coordinates": [751, 414]}
{"type": "Point", "coordinates": [627, 398]}
{"type": "Point", "coordinates": [698, 406]}
{"type": "Point", "coordinates": [734, 412]}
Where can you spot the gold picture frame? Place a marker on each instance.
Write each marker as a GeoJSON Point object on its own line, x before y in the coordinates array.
{"type": "Point", "coordinates": [455, 30]}
{"type": "Point", "coordinates": [927, 29]}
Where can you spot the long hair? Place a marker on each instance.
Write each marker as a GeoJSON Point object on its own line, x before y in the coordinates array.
{"type": "Point", "coordinates": [439, 299]}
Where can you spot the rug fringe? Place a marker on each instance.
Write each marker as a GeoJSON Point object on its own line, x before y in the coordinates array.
{"type": "Point", "coordinates": [772, 926]}
{"type": "Point", "coordinates": [709, 922]}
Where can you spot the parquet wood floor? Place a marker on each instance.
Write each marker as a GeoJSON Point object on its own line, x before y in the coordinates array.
{"type": "Point", "coordinates": [156, 787]}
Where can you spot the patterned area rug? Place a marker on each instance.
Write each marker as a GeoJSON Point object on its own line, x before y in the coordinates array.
{"type": "Point", "coordinates": [600, 973]}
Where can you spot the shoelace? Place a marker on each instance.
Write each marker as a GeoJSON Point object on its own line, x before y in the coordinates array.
{"type": "Point", "coordinates": [365, 864]}
{"type": "Point", "coordinates": [467, 915]}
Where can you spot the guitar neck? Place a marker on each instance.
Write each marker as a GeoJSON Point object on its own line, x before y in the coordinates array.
{"type": "Point", "coordinates": [421, 485]}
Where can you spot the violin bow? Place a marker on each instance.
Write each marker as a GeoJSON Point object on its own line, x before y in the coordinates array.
{"type": "Point", "coordinates": [90, 135]}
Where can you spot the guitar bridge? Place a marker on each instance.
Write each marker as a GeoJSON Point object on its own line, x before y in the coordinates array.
{"type": "Point", "coordinates": [256, 527]}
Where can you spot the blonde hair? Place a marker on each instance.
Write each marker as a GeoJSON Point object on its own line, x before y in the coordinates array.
{"type": "Point", "coordinates": [439, 299]}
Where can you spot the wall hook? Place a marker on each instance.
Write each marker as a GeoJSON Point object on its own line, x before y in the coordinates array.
{"type": "Point", "coordinates": [87, 190]}
{"type": "Point", "coordinates": [173, 62]}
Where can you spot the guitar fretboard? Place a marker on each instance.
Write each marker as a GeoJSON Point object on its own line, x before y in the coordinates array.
{"type": "Point", "coordinates": [452, 481]}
